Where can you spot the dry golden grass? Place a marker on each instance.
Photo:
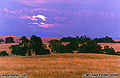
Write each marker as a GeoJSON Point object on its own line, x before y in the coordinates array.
{"type": "Point", "coordinates": [60, 65]}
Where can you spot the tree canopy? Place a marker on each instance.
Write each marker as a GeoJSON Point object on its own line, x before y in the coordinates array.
{"type": "Point", "coordinates": [9, 40]}
{"type": "Point", "coordinates": [104, 40]}
{"type": "Point", "coordinates": [34, 45]}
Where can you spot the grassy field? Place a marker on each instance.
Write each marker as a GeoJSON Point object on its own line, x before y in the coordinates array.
{"type": "Point", "coordinates": [60, 65]}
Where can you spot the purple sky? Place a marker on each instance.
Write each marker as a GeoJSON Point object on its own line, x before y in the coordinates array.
{"type": "Point", "coordinates": [59, 18]}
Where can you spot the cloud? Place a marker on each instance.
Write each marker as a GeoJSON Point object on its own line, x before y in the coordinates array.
{"type": "Point", "coordinates": [34, 23]}
{"type": "Point", "coordinates": [24, 16]}
{"type": "Point", "coordinates": [39, 2]}
{"type": "Point", "coordinates": [39, 16]}
{"type": "Point", "coordinates": [60, 18]}
{"type": "Point", "coordinates": [34, 18]}
{"type": "Point", "coordinates": [41, 9]}
{"type": "Point", "coordinates": [43, 24]}
{"type": "Point", "coordinates": [14, 12]}
{"type": "Point", "coordinates": [47, 25]}
{"type": "Point", "coordinates": [55, 17]}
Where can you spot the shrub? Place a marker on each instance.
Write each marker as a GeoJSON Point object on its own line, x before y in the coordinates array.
{"type": "Point", "coordinates": [4, 53]}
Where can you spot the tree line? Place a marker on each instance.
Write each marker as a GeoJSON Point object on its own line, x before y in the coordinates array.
{"type": "Point", "coordinates": [77, 44]}
{"type": "Point", "coordinates": [81, 44]}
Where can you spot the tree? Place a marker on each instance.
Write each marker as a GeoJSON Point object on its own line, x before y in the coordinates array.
{"type": "Point", "coordinates": [9, 40]}
{"type": "Point", "coordinates": [67, 39]}
{"type": "Point", "coordinates": [47, 51]}
{"type": "Point", "coordinates": [63, 49]}
{"type": "Point", "coordinates": [25, 45]}
{"type": "Point", "coordinates": [53, 44]}
{"type": "Point", "coordinates": [108, 50]}
{"type": "Point", "coordinates": [74, 45]}
{"type": "Point", "coordinates": [1, 40]}
{"type": "Point", "coordinates": [104, 40]}
{"type": "Point", "coordinates": [4, 53]}
{"type": "Point", "coordinates": [24, 40]}
{"type": "Point", "coordinates": [15, 49]}
{"type": "Point", "coordinates": [34, 45]}
{"type": "Point", "coordinates": [56, 46]}
{"type": "Point", "coordinates": [89, 46]}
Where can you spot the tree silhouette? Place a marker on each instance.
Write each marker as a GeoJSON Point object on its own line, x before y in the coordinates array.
{"type": "Point", "coordinates": [34, 45]}
{"type": "Point", "coordinates": [1, 40]}
{"type": "Point", "coordinates": [53, 44]}
{"type": "Point", "coordinates": [4, 53]}
{"type": "Point", "coordinates": [67, 39]}
{"type": "Point", "coordinates": [108, 50]}
{"type": "Point", "coordinates": [89, 46]}
{"type": "Point", "coordinates": [15, 49]}
{"type": "Point", "coordinates": [104, 40]}
{"type": "Point", "coordinates": [25, 45]}
{"type": "Point", "coordinates": [63, 49]}
{"type": "Point", "coordinates": [9, 40]}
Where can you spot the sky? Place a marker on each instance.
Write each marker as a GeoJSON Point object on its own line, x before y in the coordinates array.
{"type": "Point", "coordinates": [60, 18]}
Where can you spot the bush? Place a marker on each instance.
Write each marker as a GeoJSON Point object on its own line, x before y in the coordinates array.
{"type": "Point", "coordinates": [9, 40]}
{"type": "Point", "coordinates": [4, 53]}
